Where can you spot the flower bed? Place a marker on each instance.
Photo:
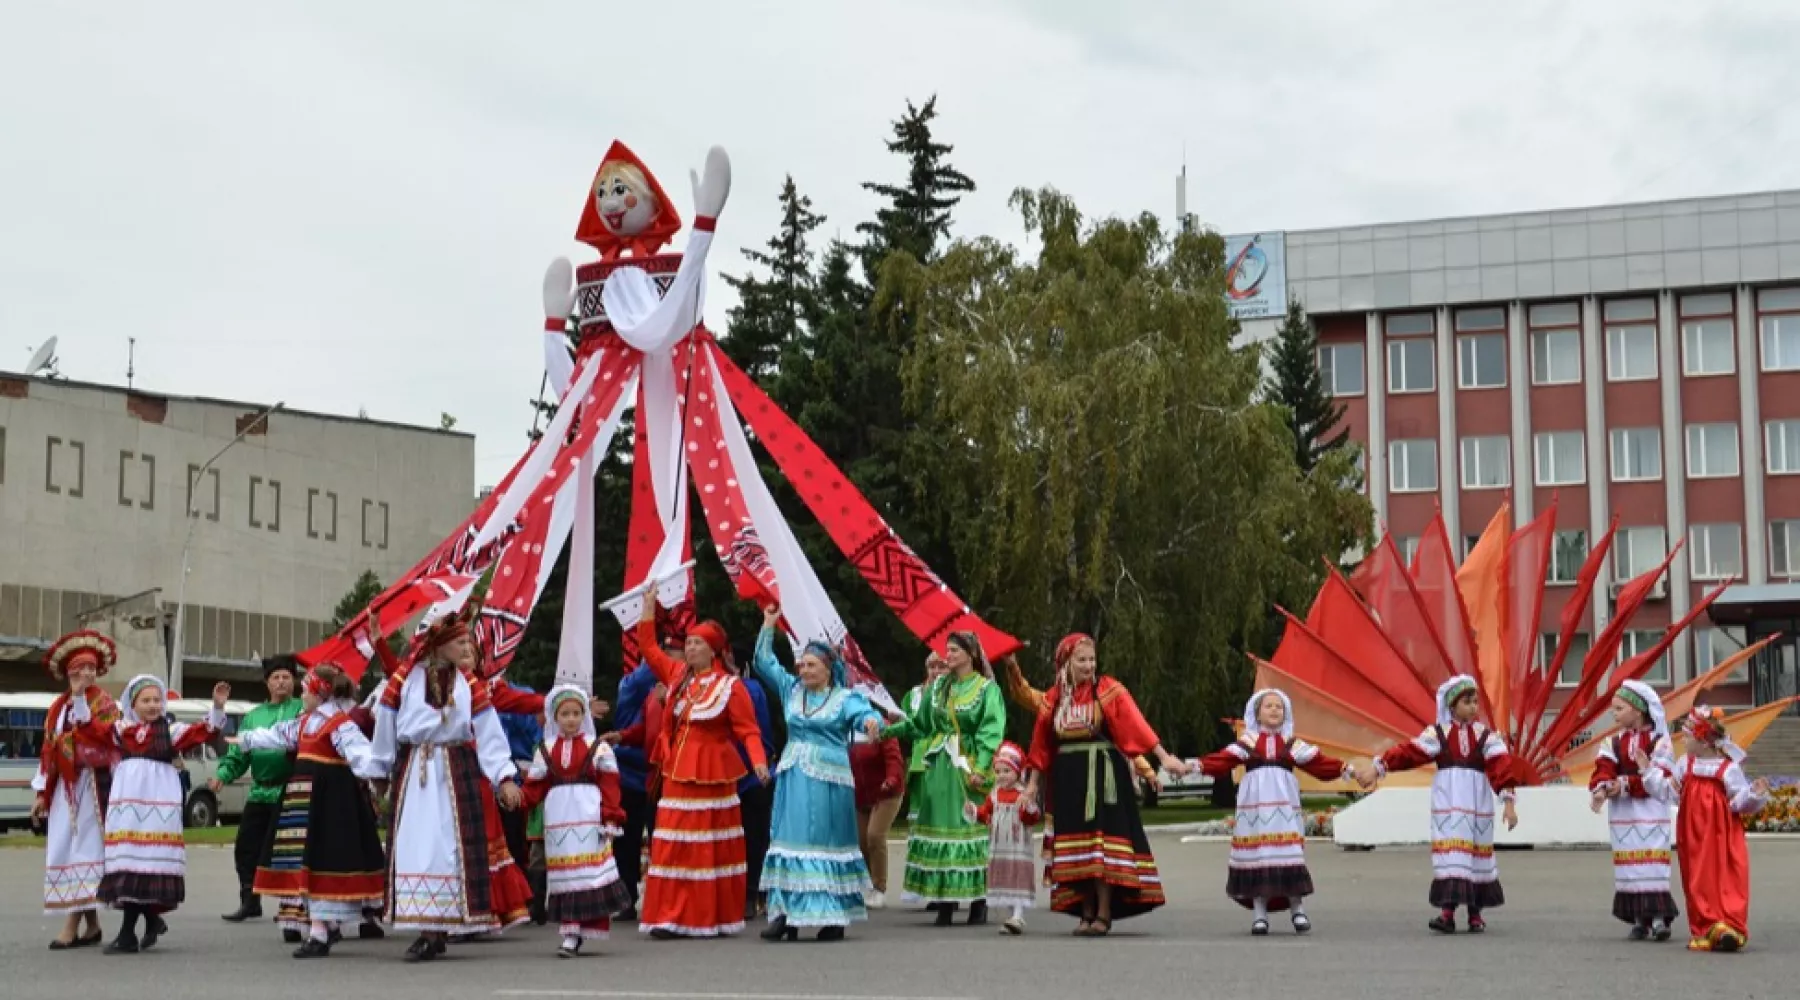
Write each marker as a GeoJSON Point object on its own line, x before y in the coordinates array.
{"type": "Point", "coordinates": [1782, 814]}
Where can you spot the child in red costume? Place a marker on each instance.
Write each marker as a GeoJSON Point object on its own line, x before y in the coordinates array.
{"type": "Point", "coordinates": [1715, 857]}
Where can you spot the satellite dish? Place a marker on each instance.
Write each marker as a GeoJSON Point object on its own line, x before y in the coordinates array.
{"type": "Point", "coordinates": [44, 359]}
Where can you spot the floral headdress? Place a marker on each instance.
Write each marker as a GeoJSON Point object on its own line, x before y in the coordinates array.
{"type": "Point", "coordinates": [76, 647]}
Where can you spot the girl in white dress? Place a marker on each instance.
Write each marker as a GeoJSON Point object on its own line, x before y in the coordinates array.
{"type": "Point", "coordinates": [1267, 865]}
{"type": "Point", "coordinates": [576, 779]}
{"type": "Point", "coordinates": [1473, 766]}
{"type": "Point", "coordinates": [70, 786]}
{"type": "Point", "coordinates": [146, 855]}
{"type": "Point", "coordinates": [1643, 832]}
{"type": "Point", "coordinates": [1009, 815]}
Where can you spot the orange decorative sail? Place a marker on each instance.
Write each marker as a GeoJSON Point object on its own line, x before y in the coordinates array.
{"type": "Point", "coordinates": [1362, 669]}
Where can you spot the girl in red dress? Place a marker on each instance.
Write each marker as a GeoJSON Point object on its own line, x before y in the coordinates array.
{"type": "Point", "coordinates": [695, 884]}
{"type": "Point", "coordinates": [1715, 857]}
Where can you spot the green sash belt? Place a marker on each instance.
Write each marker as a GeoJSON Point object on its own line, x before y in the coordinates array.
{"type": "Point", "coordinates": [1098, 772]}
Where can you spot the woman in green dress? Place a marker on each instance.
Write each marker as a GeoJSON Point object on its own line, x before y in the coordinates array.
{"type": "Point", "coordinates": [959, 723]}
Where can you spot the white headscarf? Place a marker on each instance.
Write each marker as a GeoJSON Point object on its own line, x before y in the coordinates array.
{"type": "Point", "coordinates": [135, 686]}
{"type": "Point", "coordinates": [1254, 728]}
{"type": "Point", "coordinates": [1446, 693]}
{"type": "Point", "coordinates": [1659, 722]}
{"type": "Point", "coordinates": [559, 694]}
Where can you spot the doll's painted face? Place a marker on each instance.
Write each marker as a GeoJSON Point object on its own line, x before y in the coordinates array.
{"type": "Point", "coordinates": [569, 715]}
{"type": "Point", "coordinates": [623, 199]}
{"type": "Point", "coordinates": [1466, 707]}
{"type": "Point", "coordinates": [148, 704]}
{"type": "Point", "coordinates": [1626, 714]}
{"type": "Point", "coordinates": [1271, 713]}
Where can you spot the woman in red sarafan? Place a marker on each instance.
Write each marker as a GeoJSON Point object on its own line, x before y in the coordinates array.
{"type": "Point", "coordinates": [695, 884]}
{"type": "Point", "coordinates": [1713, 793]}
{"type": "Point", "coordinates": [1084, 739]}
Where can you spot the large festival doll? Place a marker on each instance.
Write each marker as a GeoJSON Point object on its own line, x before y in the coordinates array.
{"type": "Point", "coordinates": [1083, 741]}
{"type": "Point", "coordinates": [1267, 865]}
{"type": "Point", "coordinates": [960, 722]}
{"type": "Point", "coordinates": [1714, 795]}
{"type": "Point", "coordinates": [695, 886]}
{"type": "Point", "coordinates": [437, 734]}
{"type": "Point", "coordinates": [1642, 831]}
{"type": "Point", "coordinates": [1473, 766]}
{"type": "Point", "coordinates": [146, 855]}
{"type": "Point", "coordinates": [323, 856]}
{"type": "Point", "coordinates": [70, 788]}
{"type": "Point", "coordinates": [574, 777]}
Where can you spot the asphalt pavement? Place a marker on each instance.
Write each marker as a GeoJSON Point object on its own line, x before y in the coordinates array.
{"type": "Point", "coordinates": [1369, 943]}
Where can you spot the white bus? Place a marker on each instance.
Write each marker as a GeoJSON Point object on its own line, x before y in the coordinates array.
{"type": "Point", "coordinates": [21, 736]}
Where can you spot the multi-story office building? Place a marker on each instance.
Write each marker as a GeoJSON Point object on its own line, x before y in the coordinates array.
{"type": "Point", "coordinates": [94, 481]}
{"type": "Point", "coordinates": [1641, 361]}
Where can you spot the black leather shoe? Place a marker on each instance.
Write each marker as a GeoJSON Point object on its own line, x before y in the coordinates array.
{"type": "Point", "coordinates": [313, 948]}
{"type": "Point", "coordinates": [154, 928]}
{"type": "Point", "coordinates": [249, 908]}
{"type": "Point", "coordinates": [124, 944]}
{"type": "Point", "coordinates": [370, 931]}
{"type": "Point", "coordinates": [831, 933]}
{"type": "Point", "coordinates": [292, 937]}
{"type": "Point", "coordinates": [424, 949]}
{"type": "Point", "coordinates": [977, 913]}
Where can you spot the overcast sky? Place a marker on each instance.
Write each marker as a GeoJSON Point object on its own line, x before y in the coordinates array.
{"type": "Point", "coordinates": [350, 204]}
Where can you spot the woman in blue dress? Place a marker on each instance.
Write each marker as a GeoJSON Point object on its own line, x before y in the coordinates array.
{"type": "Point", "coordinates": [814, 872]}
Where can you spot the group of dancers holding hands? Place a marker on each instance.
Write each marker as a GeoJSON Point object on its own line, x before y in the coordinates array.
{"type": "Point", "coordinates": [431, 743]}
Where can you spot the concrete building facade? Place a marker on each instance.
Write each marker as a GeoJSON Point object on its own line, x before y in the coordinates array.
{"type": "Point", "coordinates": [1637, 360]}
{"type": "Point", "coordinates": [94, 482]}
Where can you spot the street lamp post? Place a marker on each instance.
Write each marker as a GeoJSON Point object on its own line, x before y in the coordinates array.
{"type": "Point", "coordinates": [193, 516]}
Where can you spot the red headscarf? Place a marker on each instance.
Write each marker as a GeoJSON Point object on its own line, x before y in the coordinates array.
{"type": "Point", "coordinates": [712, 632]}
{"type": "Point", "coordinates": [1066, 648]}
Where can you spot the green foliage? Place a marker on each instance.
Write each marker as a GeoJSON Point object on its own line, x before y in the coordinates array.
{"type": "Point", "coordinates": [1098, 455]}
{"type": "Point", "coordinates": [1294, 382]}
{"type": "Point", "coordinates": [773, 312]}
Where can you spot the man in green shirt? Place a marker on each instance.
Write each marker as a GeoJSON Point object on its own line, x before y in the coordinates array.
{"type": "Point", "coordinates": [269, 770]}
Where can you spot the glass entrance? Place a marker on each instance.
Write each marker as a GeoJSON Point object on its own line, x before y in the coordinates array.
{"type": "Point", "coordinates": [1775, 672]}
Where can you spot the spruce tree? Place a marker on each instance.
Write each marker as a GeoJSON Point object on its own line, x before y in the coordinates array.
{"type": "Point", "coordinates": [917, 216]}
{"type": "Point", "coordinates": [773, 311]}
{"type": "Point", "coordinates": [1294, 383]}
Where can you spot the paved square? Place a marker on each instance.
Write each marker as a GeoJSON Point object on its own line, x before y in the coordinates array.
{"type": "Point", "coordinates": [1370, 943]}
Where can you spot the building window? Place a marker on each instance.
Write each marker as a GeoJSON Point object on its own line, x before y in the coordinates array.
{"type": "Point", "coordinates": [1469, 543]}
{"type": "Point", "coordinates": [1409, 324]}
{"type": "Point", "coordinates": [1568, 550]}
{"type": "Point", "coordinates": [1638, 551]}
{"type": "Point", "coordinates": [1784, 548]}
{"type": "Point", "coordinates": [1555, 343]}
{"type": "Point", "coordinates": [1579, 644]}
{"type": "Point", "coordinates": [1781, 441]}
{"type": "Point", "coordinates": [1712, 451]}
{"type": "Point", "coordinates": [1412, 365]}
{"type": "Point", "coordinates": [1630, 340]}
{"type": "Point", "coordinates": [1778, 319]}
{"type": "Point", "coordinates": [1341, 369]}
{"type": "Point", "coordinates": [1713, 646]}
{"type": "Point", "coordinates": [1485, 464]}
{"type": "Point", "coordinates": [1708, 335]}
{"type": "Point", "coordinates": [1412, 466]}
{"type": "Point", "coordinates": [1481, 361]}
{"type": "Point", "coordinates": [1560, 458]}
{"type": "Point", "coordinates": [1555, 357]}
{"type": "Point", "coordinates": [1408, 545]}
{"type": "Point", "coordinates": [1715, 551]}
{"type": "Point", "coordinates": [1638, 641]}
{"type": "Point", "coordinates": [1636, 454]}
